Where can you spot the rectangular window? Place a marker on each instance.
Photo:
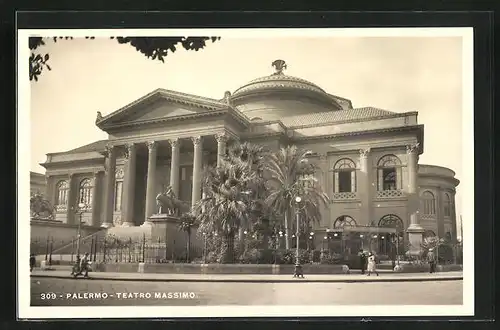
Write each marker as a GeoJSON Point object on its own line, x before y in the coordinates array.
{"type": "Point", "coordinates": [118, 195]}
{"type": "Point", "coordinates": [345, 181]}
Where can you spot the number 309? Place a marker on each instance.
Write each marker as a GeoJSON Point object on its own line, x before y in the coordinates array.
{"type": "Point", "coordinates": [49, 295]}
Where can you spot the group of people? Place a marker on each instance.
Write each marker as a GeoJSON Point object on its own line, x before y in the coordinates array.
{"type": "Point", "coordinates": [367, 263]}
{"type": "Point", "coordinates": [81, 265]}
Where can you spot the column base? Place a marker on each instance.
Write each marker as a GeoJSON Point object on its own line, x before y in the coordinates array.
{"type": "Point", "coordinates": [106, 225]}
{"type": "Point", "coordinates": [128, 224]}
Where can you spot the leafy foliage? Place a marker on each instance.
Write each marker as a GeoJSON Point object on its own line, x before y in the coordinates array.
{"type": "Point", "coordinates": [40, 207]}
{"type": "Point", "coordinates": [293, 175]}
{"type": "Point", "coordinates": [155, 48]}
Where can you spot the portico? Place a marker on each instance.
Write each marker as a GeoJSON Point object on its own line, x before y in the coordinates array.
{"type": "Point", "coordinates": [175, 162]}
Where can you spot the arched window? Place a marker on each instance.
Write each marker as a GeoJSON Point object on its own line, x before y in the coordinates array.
{"type": "Point", "coordinates": [85, 192]}
{"type": "Point", "coordinates": [344, 221]}
{"type": "Point", "coordinates": [429, 203]}
{"type": "Point", "coordinates": [447, 205]}
{"type": "Point", "coordinates": [344, 176]}
{"type": "Point", "coordinates": [391, 221]}
{"type": "Point", "coordinates": [62, 189]}
{"type": "Point", "coordinates": [389, 173]}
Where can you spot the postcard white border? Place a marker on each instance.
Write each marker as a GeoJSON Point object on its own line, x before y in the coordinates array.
{"type": "Point", "coordinates": [25, 311]}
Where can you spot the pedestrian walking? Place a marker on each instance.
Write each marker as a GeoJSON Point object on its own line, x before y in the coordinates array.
{"type": "Point", "coordinates": [362, 261]}
{"type": "Point", "coordinates": [431, 258]}
{"type": "Point", "coordinates": [372, 267]}
{"type": "Point", "coordinates": [32, 262]}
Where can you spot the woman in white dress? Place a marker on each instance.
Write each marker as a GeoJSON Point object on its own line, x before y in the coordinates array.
{"type": "Point", "coordinates": [372, 268]}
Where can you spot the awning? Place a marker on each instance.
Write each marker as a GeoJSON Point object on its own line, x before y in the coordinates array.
{"type": "Point", "coordinates": [364, 229]}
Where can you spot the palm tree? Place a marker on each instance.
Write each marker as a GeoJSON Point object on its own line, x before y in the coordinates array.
{"type": "Point", "coordinates": [254, 157]}
{"type": "Point", "coordinates": [225, 207]}
{"type": "Point", "coordinates": [187, 222]}
{"type": "Point", "coordinates": [292, 175]}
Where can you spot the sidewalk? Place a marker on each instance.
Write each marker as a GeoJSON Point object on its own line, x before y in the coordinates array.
{"type": "Point", "coordinates": [255, 278]}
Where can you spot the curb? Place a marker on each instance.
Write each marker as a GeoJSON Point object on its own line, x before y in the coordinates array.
{"type": "Point", "coordinates": [291, 280]}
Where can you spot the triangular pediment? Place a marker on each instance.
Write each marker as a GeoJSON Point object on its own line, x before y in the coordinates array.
{"type": "Point", "coordinates": [158, 105]}
{"type": "Point", "coordinates": [160, 109]}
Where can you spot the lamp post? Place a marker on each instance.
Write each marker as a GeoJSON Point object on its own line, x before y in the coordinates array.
{"type": "Point", "coordinates": [79, 211]}
{"type": "Point", "coordinates": [299, 205]}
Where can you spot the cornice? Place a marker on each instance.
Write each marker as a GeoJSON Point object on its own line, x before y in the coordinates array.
{"type": "Point", "coordinates": [356, 120]}
{"type": "Point", "coordinates": [358, 133]}
{"type": "Point", "coordinates": [165, 120]}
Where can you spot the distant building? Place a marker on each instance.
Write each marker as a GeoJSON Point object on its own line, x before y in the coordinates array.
{"type": "Point", "coordinates": [368, 160]}
{"type": "Point", "coordinates": [38, 183]}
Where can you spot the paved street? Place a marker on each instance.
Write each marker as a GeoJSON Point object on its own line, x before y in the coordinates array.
{"type": "Point", "coordinates": [78, 292]}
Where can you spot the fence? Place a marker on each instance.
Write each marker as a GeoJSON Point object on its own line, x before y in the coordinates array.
{"type": "Point", "coordinates": [104, 249]}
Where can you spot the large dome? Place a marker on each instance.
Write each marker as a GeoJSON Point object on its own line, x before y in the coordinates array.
{"type": "Point", "coordinates": [279, 95]}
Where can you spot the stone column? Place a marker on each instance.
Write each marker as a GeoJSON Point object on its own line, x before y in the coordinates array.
{"type": "Point", "coordinates": [221, 147]}
{"type": "Point", "coordinates": [197, 159]}
{"type": "Point", "coordinates": [95, 199]}
{"type": "Point", "coordinates": [109, 188]}
{"type": "Point", "coordinates": [129, 186]}
{"type": "Point", "coordinates": [325, 173]}
{"type": "Point", "coordinates": [70, 204]}
{"type": "Point", "coordinates": [365, 187]}
{"type": "Point", "coordinates": [151, 180]}
{"type": "Point", "coordinates": [453, 216]}
{"type": "Point", "coordinates": [415, 230]}
{"type": "Point", "coordinates": [438, 206]}
{"type": "Point", "coordinates": [174, 166]}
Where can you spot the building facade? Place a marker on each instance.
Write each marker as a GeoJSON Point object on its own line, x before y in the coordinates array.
{"type": "Point", "coordinates": [368, 157]}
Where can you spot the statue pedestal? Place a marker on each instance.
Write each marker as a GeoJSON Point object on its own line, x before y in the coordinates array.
{"type": "Point", "coordinates": [416, 238]}
{"type": "Point", "coordinates": [166, 228]}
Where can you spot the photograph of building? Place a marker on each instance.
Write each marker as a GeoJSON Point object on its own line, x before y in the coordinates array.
{"type": "Point", "coordinates": [368, 157]}
{"type": "Point", "coordinates": [336, 158]}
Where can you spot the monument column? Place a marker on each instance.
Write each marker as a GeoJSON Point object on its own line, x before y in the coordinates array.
{"type": "Point", "coordinates": [109, 188]}
{"type": "Point", "coordinates": [221, 147]}
{"type": "Point", "coordinates": [151, 180]}
{"type": "Point", "coordinates": [174, 166]}
{"type": "Point", "coordinates": [365, 185]}
{"type": "Point", "coordinates": [95, 198]}
{"type": "Point", "coordinates": [197, 159]}
{"type": "Point", "coordinates": [129, 186]}
{"type": "Point", "coordinates": [415, 230]}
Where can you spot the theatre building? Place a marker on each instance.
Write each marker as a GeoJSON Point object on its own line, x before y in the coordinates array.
{"type": "Point", "coordinates": [368, 159]}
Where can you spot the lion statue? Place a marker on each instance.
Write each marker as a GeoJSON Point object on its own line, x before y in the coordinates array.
{"type": "Point", "coordinates": [168, 203]}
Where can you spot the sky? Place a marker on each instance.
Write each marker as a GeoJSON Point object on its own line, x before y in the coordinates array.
{"type": "Point", "coordinates": [398, 74]}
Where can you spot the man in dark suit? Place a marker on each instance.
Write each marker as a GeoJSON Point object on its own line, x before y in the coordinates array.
{"type": "Point", "coordinates": [362, 261]}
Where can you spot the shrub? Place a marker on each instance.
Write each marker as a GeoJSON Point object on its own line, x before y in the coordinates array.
{"type": "Point", "coordinates": [331, 258]}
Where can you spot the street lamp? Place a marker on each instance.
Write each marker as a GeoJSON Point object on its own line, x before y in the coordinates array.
{"type": "Point", "coordinates": [299, 205]}
{"type": "Point", "coordinates": [79, 211]}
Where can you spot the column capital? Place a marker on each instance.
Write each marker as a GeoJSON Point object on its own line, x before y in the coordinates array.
{"type": "Point", "coordinates": [196, 140]}
{"type": "Point", "coordinates": [413, 148]}
{"type": "Point", "coordinates": [128, 150]}
{"type": "Point", "coordinates": [96, 172]}
{"type": "Point", "coordinates": [221, 137]}
{"type": "Point", "coordinates": [323, 157]}
{"type": "Point", "coordinates": [364, 152]}
{"type": "Point", "coordinates": [71, 175]}
{"type": "Point", "coordinates": [152, 145]}
{"type": "Point", "coordinates": [174, 142]}
{"type": "Point", "coordinates": [119, 173]}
